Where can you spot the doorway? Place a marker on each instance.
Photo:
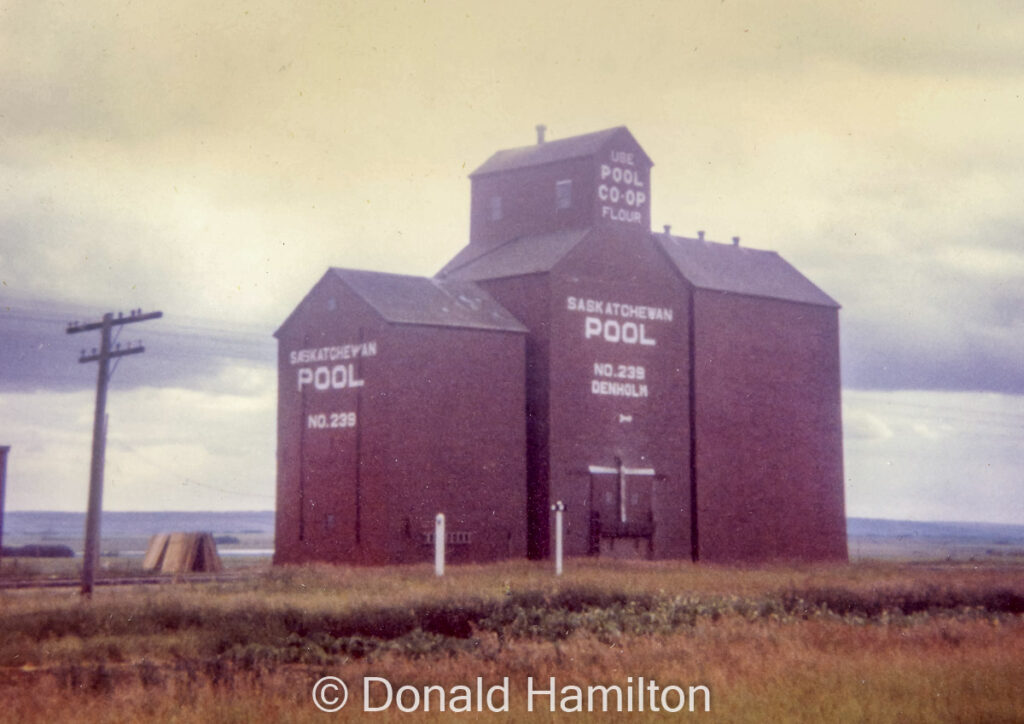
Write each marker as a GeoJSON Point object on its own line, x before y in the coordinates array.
{"type": "Point", "coordinates": [621, 510]}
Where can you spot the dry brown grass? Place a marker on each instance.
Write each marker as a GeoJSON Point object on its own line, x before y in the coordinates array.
{"type": "Point", "coordinates": [957, 665]}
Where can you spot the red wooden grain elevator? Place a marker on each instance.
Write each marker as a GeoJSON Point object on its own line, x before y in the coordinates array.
{"type": "Point", "coordinates": [680, 396]}
{"type": "Point", "coordinates": [398, 398]}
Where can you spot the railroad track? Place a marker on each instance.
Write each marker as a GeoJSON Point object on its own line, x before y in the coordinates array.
{"type": "Point", "coordinates": [125, 580]}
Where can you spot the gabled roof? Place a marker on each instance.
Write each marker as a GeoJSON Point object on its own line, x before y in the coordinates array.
{"type": "Point", "coordinates": [436, 302]}
{"type": "Point", "coordinates": [523, 255]}
{"type": "Point", "coordinates": [739, 270]}
{"type": "Point", "coordinates": [705, 264]}
{"type": "Point", "coordinates": [551, 151]}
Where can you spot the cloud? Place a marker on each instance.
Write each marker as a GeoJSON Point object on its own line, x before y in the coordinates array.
{"type": "Point", "coordinates": [210, 355]}
{"type": "Point", "coordinates": [168, 448]}
{"type": "Point", "coordinates": [934, 455]}
{"type": "Point", "coordinates": [948, 318]}
{"type": "Point", "coordinates": [859, 424]}
{"type": "Point", "coordinates": [212, 160]}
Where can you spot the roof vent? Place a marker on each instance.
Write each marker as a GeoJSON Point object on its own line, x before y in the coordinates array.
{"type": "Point", "coordinates": [541, 128]}
{"type": "Point", "coordinates": [668, 229]}
{"type": "Point", "coordinates": [700, 235]}
{"type": "Point", "coordinates": [735, 241]}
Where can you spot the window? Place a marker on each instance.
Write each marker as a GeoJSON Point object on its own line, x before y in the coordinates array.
{"type": "Point", "coordinates": [563, 194]}
{"type": "Point", "coordinates": [495, 208]}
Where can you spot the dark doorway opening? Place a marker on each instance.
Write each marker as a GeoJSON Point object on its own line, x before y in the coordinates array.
{"type": "Point", "coordinates": [621, 511]}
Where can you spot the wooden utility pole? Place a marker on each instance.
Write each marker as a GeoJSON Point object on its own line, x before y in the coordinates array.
{"type": "Point", "coordinates": [4, 449]}
{"type": "Point", "coordinates": [105, 353]}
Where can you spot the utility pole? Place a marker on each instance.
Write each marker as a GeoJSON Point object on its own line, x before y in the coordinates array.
{"type": "Point", "coordinates": [99, 428]}
{"type": "Point", "coordinates": [4, 449]}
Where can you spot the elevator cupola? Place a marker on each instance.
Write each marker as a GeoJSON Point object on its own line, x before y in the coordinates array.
{"type": "Point", "coordinates": [597, 179]}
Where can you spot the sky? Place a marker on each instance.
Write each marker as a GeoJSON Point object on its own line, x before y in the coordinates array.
{"type": "Point", "coordinates": [211, 160]}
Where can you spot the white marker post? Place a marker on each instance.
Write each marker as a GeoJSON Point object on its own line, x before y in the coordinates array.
{"type": "Point", "coordinates": [439, 540]}
{"type": "Point", "coordinates": [559, 509]}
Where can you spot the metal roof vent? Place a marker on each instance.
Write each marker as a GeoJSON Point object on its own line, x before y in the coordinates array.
{"type": "Point", "coordinates": [668, 229]}
{"type": "Point", "coordinates": [541, 128]}
{"type": "Point", "coordinates": [735, 241]}
{"type": "Point", "coordinates": [700, 235]}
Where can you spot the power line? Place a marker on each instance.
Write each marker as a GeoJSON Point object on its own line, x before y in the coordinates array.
{"type": "Point", "coordinates": [881, 398]}
{"type": "Point", "coordinates": [186, 479]}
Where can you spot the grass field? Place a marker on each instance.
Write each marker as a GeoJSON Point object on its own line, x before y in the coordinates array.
{"type": "Point", "coordinates": [871, 641]}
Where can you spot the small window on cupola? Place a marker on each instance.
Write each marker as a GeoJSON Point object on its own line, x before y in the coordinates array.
{"type": "Point", "coordinates": [563, 194]}
{"type": "Point", "coordinates": [495, 208]}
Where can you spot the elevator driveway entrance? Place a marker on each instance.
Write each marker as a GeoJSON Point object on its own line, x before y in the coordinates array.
{"type": "Point", "coordinates": [621, 517]}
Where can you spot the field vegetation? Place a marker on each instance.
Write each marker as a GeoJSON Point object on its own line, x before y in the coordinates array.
{"type": "Point", "coordinates": [865, 642]}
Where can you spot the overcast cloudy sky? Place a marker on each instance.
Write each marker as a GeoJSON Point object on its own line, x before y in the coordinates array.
{"type": "Point", "coordinates": [212, 159]}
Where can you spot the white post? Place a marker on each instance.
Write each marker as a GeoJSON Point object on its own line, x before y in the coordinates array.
{"type": "Point", "coordinates": [559, 508]}
{"type": "Point", "coordinates": [439, 541]}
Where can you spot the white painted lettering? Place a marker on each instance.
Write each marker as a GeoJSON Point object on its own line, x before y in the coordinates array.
{"type": "Point", "coordinates": [622, 310]}
{"type": "Point", "coordinates": [333, 354]}
{"type": "Point", "coordinates": [611, 330]}
{"type": "Point", "coordinates": [619, 389]}
{"type": "Point", "coordinates": [325, 378]}
{"type": "Point", "coordinates": [621, 184]}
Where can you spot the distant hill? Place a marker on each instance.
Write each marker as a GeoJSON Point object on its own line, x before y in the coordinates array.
{"type": "Point", "coordinates": [253, 531]}
{"type": "Point", "coordinates": [128, 533]}
{"type": "Point", "coordinates": [903, 529]}
{"type": "Point", "coordinates": [120, 524]}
